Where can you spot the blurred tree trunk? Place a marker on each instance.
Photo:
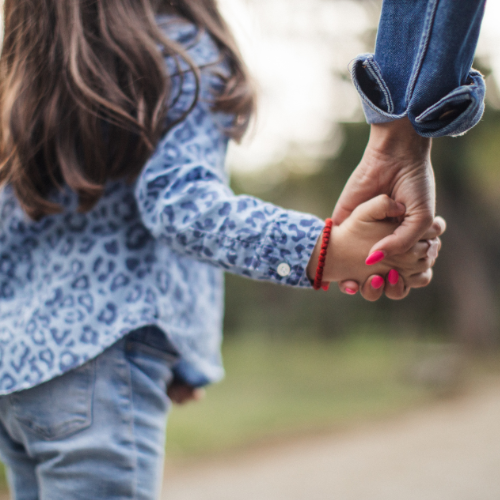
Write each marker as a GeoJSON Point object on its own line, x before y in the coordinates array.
{"type": "Point", "coordinates": [472, 296]}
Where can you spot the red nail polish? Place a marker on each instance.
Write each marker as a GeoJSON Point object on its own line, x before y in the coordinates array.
{"type": "Point", "coordinates": [350, 291]}
{"type": "Point", "coordinates": [377, 282]}
{"type": "Point", "coordinates": [375, 257]}
{"type": "Point", "coordinates": [393, 277]}
{"type": "Point", "coordinates": [325, 285]}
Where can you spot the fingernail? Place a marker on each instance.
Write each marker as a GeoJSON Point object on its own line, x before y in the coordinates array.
{"type": "Point", "coordinates": [401, 206]}
{"type": "Point", "coordinates": [350, 291]}
{"type": "Point", "coordinates": [393, 277]}
{"type": "Point", "coordinates": [377, 282]}
{"type": "Point", "coordinates": [374, 258]}
{"type": "Point", "coordinates": [325, 285]}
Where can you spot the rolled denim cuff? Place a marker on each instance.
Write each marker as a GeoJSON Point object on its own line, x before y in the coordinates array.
{"type": "Point", "coordinates": [454, 114]}
{"type": "Point", "coordinates": [375, 95]}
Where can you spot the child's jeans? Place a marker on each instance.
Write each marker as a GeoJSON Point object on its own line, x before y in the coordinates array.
{"type": "Point", "coordinates": [97, 432]}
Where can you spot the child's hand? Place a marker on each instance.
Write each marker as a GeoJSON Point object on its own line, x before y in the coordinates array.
{"type": "Point", "coordinates": [352, 240]}
{"type": "Point", "coordinates": [182, 393]}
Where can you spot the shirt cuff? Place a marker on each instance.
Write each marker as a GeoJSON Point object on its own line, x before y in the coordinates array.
{"type": "Point", "coordinates": [453, 115]}
{"type": "Point", "coordinates": [287, 248]}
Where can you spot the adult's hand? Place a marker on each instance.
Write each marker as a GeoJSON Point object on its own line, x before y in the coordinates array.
{"type": "Point", "coordinates": [396, 162]}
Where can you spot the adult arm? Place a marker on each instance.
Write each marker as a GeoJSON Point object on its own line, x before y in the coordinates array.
{"type": "Point", "coordinates": [422, 66]}
{"type": "Point", "coordinates": [396, 162]}
{"type": "Point", "coordinates": [419, 84]}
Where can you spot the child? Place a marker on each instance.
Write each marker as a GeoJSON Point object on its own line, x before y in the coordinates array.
{"type": "Point", "coordinates": [117, 223]}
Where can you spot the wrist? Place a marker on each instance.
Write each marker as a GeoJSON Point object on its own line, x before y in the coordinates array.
{"type": "Point", "coordinates": [317, 261]}
{"type": "Point", "coordinates": [332, 270]}
{"type": "Point", "coordinates": [400, 139]}
{"type": "Point", "coordinates": [313, 261]}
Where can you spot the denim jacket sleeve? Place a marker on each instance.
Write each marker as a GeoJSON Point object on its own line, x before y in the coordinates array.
{"type": "Point", "coordinates": [422, 66]}
{"type": "Point", "coordinates": [186, 203]}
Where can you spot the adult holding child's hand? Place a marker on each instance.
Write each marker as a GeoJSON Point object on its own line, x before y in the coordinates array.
{"type": "Point", "coordinates": [396, 162]}
{"type": "Point", "coordinates": [419, 84]}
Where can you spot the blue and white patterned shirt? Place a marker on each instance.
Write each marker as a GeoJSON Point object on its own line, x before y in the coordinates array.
{"type": "Point", "coordinates": [152, 253]}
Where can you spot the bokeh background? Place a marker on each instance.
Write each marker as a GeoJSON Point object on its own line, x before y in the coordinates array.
{"type": "Point", "coordinates": [301, 362]}
{"type": "Point", "coordinates": [308, 138]}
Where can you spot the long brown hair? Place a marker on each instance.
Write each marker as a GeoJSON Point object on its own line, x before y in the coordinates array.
{"type": "Point", "coordinates": [84, 92]}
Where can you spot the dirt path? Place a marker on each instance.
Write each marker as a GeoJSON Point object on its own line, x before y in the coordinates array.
{"type": "Point", "coordinates": [448, 452]}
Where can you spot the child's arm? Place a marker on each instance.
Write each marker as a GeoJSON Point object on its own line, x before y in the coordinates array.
{"type": "Point", "coordinates": [351, 241]}
{"type": "Point", "coordinates": [186, 203]}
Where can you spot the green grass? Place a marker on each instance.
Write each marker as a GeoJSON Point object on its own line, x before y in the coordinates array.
{"type": "Point", "coordinates": [3, 478]}
{"type": "Point", "coordinates": [282, 388]}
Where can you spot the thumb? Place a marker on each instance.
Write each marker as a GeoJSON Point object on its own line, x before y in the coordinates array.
{"type": "Point", "coordinates": [404, 236]}
{"type": "Point", "coordinates": [379, 208]}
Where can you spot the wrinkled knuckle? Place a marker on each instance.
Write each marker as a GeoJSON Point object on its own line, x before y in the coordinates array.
{"type": "Point", "coordinates": [427, 220]}
{"type": "Point", "coordinates": [403, 247]}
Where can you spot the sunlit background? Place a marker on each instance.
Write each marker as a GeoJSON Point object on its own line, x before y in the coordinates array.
{"type": "Point", "coordinates": [298, 52]}
{"type": "Point", "coordinates": [309, 135]}
{"type": "Point", "coordinates": [303, 362]}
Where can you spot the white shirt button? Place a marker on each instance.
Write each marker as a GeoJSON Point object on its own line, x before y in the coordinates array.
{"type": "Point", "coordinates": [284, 269]}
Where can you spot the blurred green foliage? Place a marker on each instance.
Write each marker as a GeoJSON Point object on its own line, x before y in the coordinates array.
{"type": "Point", "coordinates": [3, 478]}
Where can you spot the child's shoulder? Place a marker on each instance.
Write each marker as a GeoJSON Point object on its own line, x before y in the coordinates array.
{"type": "Point", "coordinates": [204, 53]}
{"type": "Point", "coordinates": [198, 44]}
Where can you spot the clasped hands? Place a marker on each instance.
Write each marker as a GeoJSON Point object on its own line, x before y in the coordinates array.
{"type": "Point", "coordinates": [385, 210]}
{"type": "Point", "coordinates": [404, 245]}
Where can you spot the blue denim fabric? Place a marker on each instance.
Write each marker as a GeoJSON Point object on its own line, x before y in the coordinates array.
{"type": "Point", "coordinates": [96, 432]}
{"type": "Point", "coordinates": [422, 66]}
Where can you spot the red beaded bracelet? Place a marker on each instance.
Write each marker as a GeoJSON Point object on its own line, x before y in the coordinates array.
{"type": "Point", "coordinates": [318, 279]}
